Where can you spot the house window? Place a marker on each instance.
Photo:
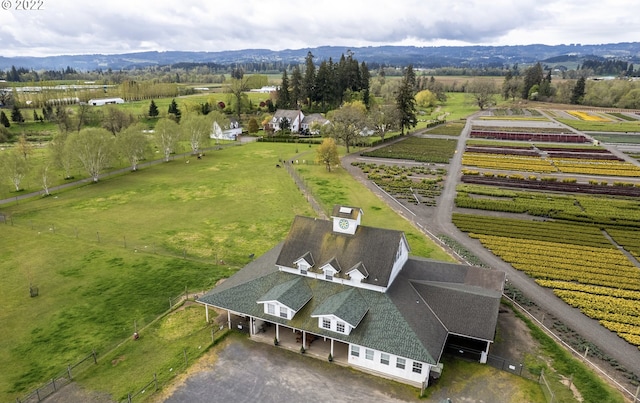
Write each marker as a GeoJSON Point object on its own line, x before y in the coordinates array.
{"type": "Point", "coordinates": [303, 271]}
{"type": "Point", "coordinates": [340, 327]}
{"type": "Point", "coordinates": [417, 367]}
{"type": "Point", "coordinates": [326, 323]}
{"type": "Point", "coordinates": [328, 276]}
{"type": "Point", "coordinates": [284, 312]}
{"type": "Point", "coordinates": [271, 309]}
{"type": "Point", "coordinates": [355, 351]}
{"type": "Point", "coordinates": [384, 359]}
{"type": "Point", "coordinates": [400, 363]}
{"type": "Point", "coordinates": [368, 354]}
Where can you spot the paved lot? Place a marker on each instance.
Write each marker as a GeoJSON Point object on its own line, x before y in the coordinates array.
{"type": "Point", "coordinates": [246, 371]}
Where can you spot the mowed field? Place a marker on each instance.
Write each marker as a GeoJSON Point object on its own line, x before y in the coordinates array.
{"type": "Point", "coordinates": [107, 257]}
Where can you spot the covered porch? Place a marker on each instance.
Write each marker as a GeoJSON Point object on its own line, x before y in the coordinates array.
{"type": "Point", "coordinates": [288, 337]}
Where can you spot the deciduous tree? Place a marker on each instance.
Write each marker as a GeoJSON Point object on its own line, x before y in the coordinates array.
{"type": "Point", "coordinates": [167, 134]}
{"type": "Point", "coordinates": [93, 148]}
{"type": "Point", "coordinates": [327, 153]}
{"type": "Point", "coordinates": [347, 123]}
{"type": "Point", "coordinates": [196, 128]}
{"type": "Point", "coordinates": [483, 92]}
{"type": "Point", "coordinates": [14, 167]}
{"type": "Point", "coordinates": [383, 119]}
{"type": "Point", "coordinates": [132, 143]}
{"type": "Point", "coordinates": [115, 120]}
{"type": "Point", "coordinates": [60, 155]}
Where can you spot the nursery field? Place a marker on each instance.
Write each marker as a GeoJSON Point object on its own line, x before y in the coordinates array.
{"type": "Point", "coordinates": [578, 261]}
{"type": "Point", "coordinates": [417, 149]}
{"type": "Point", "coordinates": [577, 235]}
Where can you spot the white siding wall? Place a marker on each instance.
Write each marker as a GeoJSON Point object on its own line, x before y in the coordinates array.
{"type": "Point", "coordinates": [402, 257]}
{"type": "Point", "coordinates": [278, 309]}
{"type": "Point", "coordinates": [390, 369]}
{"type": "Point", "coordinates": [334, 324]}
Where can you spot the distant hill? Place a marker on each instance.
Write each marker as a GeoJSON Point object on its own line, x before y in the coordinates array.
{"type": "Point", "coordinates": [427, 57]}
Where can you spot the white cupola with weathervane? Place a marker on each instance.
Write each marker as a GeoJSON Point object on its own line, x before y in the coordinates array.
{"type": "Point", "coordinates": [346, 219]}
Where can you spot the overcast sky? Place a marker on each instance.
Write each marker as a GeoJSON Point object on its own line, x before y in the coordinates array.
{"type": "Point", "coordinates": [124, 26]}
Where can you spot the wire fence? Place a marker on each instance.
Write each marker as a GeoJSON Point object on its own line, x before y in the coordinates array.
{"type": "Point", "coordinates": [108, 238]}
{"type": "Point", "coordinates": [66, 376]}
{"type": "Point", "coordinates": [59, 380]}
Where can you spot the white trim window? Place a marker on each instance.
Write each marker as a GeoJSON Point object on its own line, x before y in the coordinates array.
{"type": "Point", "coordinates": [326, 323]}
{"type": "Point", "coordinates": [340, 327]}
{"type": "Point", "coordinates": [271, 309]}
{"type": "Point", "coordinates": [355, 351]}
{"type": "Point", "coordinates": [417, 367]}
{"type": "Point", "coordinates": [368, 354]}
{"type": "Point", "coordinates": [384, 359]}
{"type": "Point", "coordinates": [284, 312]}
{"type": "Point", "coordinates": [401, 363]}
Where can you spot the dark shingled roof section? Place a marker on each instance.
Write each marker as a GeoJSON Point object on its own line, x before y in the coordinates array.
{"type": "Point", "coordinates": [347, 305]}
{"type": "Point", "coordinates": [294, 294]}
{"type": "Point", "coordinates": [374, 247]}
{"type": "Point", "coordinates": [382, 327]}
{"type": "Point", "coordinates": [438, 297]}
{"type": "Point", "coordinates": [360, 267]}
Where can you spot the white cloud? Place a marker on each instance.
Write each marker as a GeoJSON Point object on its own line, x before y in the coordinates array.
{"type": "Point", "coordinates": [118, 26]}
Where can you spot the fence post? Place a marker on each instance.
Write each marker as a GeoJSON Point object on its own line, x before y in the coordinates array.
{"type": "Point", "coordinates": [586, 351]}
{"type": "Point", "coordinates": [129, 397]}
{"type": "Point", "coordinates": [98, 235]}
{"type": "Point", "coordinates": [53, 381]}
{"type": "Point", "coordinates": [637, 394]}
{"type": "Point", "coordinates": [69, 372]}
{"type": "Point", "coordinates": [186, 293]}
{"type": "Point", "coordinates": [155, 380]}
{"type": "Point", "coordinates": [95, 358]}
{"type": "Point", "coordinates": [170, 306]}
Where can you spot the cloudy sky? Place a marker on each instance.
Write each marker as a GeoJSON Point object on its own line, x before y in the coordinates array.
{"type": "Point", "coordinates": [124, 26]}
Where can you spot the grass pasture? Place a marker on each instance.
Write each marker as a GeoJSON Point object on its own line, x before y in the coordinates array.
{"type": "Point", "coordinates": [109, 255]}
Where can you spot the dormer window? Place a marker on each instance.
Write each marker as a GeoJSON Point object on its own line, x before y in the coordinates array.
{"type": "Point", "coordinates": [328, 276]}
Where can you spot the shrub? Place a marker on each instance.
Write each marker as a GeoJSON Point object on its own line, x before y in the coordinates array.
{"type": "Point", "coordinates": [569, 180]}
{"type": "Point", "coordinates": [548, 179]}
{"type": "Point", "coordinates": [533, 178]}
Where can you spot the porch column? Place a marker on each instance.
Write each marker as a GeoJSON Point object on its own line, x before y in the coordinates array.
{"type": "Point", "coordinates": [277, 332]}
{"type": "Point", "coordinates": [304, 339]}
{"type": "Point", "coordinates": [332, 347]}
{"type": "Point", "coordinates": [251, 326]}
{"type": "Point", "coordinates": [229, 318]}
{"type": "Point", "coordinates": [484, 354]}
{"type": "Point", "coordinates": [206, 312]}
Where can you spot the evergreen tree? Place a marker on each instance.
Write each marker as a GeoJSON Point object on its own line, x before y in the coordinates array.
{"type": "Point", "coordinates": [153, 110]}
{"type": "Point", "coordinates": [405, 100]}
{"type": "Point", "coordinates": [284, 99]}
{"type": "Point", "coordinates": [4, 121]}
{"type": "Point", "coordinates": [309, 81]}
{"type": "Point", "coordinates": [296, 88]}
{"type": "Point", "coordinates": [174, 111]}
{"type": "Point", "coordinates": [16, 115]}
{"type": "Point", "coordinates": [365, 78]}
{"type": "Point", "coordinates": [578, 91]}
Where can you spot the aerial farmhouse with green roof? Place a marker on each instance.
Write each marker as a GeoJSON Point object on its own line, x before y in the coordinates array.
{"type": "Point", "coordinates": [351, 293]}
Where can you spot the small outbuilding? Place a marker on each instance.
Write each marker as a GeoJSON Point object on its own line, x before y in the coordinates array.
{"type": "Point", "coordinates": [105, 101]}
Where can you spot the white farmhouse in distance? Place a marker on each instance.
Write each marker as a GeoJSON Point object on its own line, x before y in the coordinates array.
{"type": "Point", "coordinates": [226, 133]}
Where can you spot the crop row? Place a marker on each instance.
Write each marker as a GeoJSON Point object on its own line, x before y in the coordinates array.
{"type": "Point", "coordinates": [588, 117]}
{"type": "Point", "coordinates": [591, 289]}
{"type": "Point", "coordinates": [596, 167]}
{"type": "Point", "coordinates": [507, 162]}
{"type": "Point", "coordinates": [629, 239]}
{"type": "Point", "coordinates": [555, 138]}
{"type": "Point", "coordinates": [564, 233]}
{"type": "Point", "coordinates": [581, 208]}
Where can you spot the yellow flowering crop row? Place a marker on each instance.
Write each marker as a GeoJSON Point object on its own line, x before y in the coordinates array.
{"type": "Point", "coordinates": [588, 117]}
{"type": "Point", "coordinates": [597, 167]}
{"type": "Point", "coordinates": [507, 162]}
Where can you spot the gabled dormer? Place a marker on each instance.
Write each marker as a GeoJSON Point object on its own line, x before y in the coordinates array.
{"type": "Point", "coordinates": [304, 263]}
{"type": "Point", "coordinates": [346, 219]}
{"type": "Point", "coordinates": [341, 312]}
{"type": "Point", "coordinates": [286, 299]}
{"type": "Point", "coordinates": [330, 269]}
{"type": "Point", "coordinates": [358, 272]}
